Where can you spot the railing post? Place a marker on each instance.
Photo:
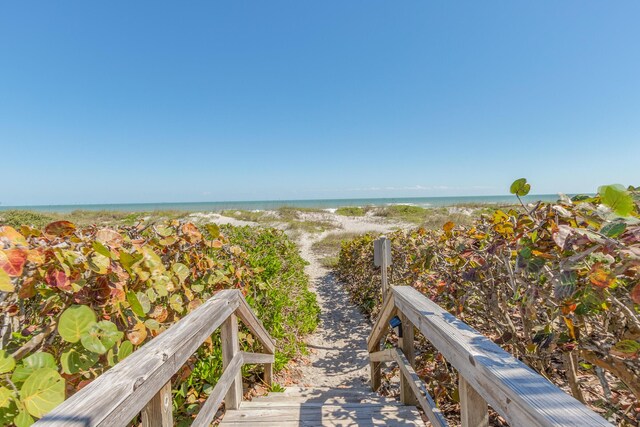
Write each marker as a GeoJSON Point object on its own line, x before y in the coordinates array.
{"type": "Point", "coordinates": [405, 343]}
{"type": "Point", "coordinates": [473, 408]}
{"type": "Point", "coordinates": [159, 410]}
{"type": "Point", "coordinates": [268, 374]}
{"type": "Point", "coordinates": [230, 347]}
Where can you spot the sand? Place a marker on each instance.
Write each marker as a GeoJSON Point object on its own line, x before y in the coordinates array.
{"type": "Point", "coordinates": [338, 348]}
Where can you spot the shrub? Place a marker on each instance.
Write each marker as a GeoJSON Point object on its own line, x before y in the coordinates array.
{"type": "Point", "coordinates": [78, 300]}
{"type": "Point", "coordinates": [554, 284]}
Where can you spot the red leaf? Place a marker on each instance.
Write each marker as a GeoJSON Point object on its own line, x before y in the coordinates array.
{"type": "Point", "coordinates": [13, 261]}
{"type": "Point", "coordinates": [60, 228]}
{"type": "Point", "coordinates": [635, 294]}
{"type": "Point", "coordinates": [57, 279]}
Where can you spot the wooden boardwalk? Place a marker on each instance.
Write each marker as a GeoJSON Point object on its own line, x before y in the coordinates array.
{"type": "Point", "coordinates": [322, 407]}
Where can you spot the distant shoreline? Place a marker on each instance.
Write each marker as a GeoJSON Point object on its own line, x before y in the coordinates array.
{"type": "Point", "coordinates": [429, 202]}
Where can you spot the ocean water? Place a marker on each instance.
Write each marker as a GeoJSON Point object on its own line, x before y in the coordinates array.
{"type": "Point", "coordinates": [274, 204]}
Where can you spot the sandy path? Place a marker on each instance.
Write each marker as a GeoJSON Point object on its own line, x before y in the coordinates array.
{"type": "Point", "coordinates": [339, 346]}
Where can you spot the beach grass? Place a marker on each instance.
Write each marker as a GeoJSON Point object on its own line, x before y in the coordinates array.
{"type": "Point", "coordinates": [351, 211]}
{"type": "Point", "coordinates": [17, 218]}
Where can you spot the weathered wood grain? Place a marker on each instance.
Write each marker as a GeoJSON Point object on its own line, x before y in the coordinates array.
{"type": "Point", "coordinates": [255, 358]}
{"type": "Point", "coordinates": [474, 411]}
{"type": "Point", "coordinates": [514, 390]}
{"type": "Point", "coordinates": [381, 325]}
{"type": "Point", "coordinates": [419, 390]}
{"type": "Point", "coordinates": [405, 342]}
{"type": "Point", "coordinates": [118, 395]}
{"type": "Point", "coordinates": [210, 408]}
{"type": "Point", "coordinates": [245, 313]}
{"type": "Point", "coordinates": [159, 411]}
{"type": "Point", "coordinates": [230, 348]}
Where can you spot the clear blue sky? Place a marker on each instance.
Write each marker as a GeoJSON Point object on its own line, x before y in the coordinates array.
{"type": "Point", "coordinates": [152, 101]}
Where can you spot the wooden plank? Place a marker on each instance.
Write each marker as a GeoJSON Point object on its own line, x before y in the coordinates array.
{"type": "Point", "coordinates": [405, 342]}
{"type": "Point", "coordinates": [118, 395]}
{"type": "Point", "coordinates": [230, 348]}
{"type": "Point", "coordinates": [245, 313]}
{"type": "Point", "coordinates": [256, 358]}
{"type": "Point", "coordinates": [260, 404]}
{"type": "Point", "coordinates": [420, 391]}
{"type": "Point", "coordinates": [401, 422]}
{"type": "Point", "coordinates": [159, 410]}
{"type": "Point", "coordinates": [210, 408]}
{"type": "Point", "coordinates": [513, 389]}
{"type": "Point", "coordinates": [260, 415]}
{"type": "Point", "coordinates": [379, 328]}
{"type": "Point", "coordinates": [267, 375]}
{"type": "Point", "coordinates": [387, 355]}
{"type": "Point", "coordinates": [474, 411]}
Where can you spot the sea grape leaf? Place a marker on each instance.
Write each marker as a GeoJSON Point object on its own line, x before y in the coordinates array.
{"type": "Point", "coordinates": [626, 348]}
{"type": "Point", "coordinates": [32, 363]}
{"type": "Point", "coordinates": [74, 361]}
{"type": "Point", "coordinates": [520, 187]}
{"type": "Point", "coordinates": [99, 263]}
{"type": "Point", "coordinates": [138, 334]}
{"type": "Point", "coordinates": [5, 282]}
{"type": "Point", "coordinates": [5, 397]}
{"type": "Point", "coordinates": [7, 362]}
{"type": "Point", "coordinates": [145, 302]}
{"type": "Point", "coordinates": [60, 228]}
{"type": "Point", "coordinates": [42, 391]}
{"type": "Point", "coordinates": [181, 271]}
{"type": "Point", "coordinates": [10, 235]}
{"type": "Point", "coordinates": [109, 237]}
{"type": "Point", "coordinates": [175, 302]}
{"type": "Point", "coordinates": [76, 321]}
{"type": "Point", "coordinates": [617, 198]}
{"type": "Point", "coordinates": [12, 261]}
{"type": "Point", "coordinates": [101, 249]}
{"type": "Point", "coordinates": [613, 229]}
{"type": "Point", "coordinates": [101, 337]}
{"type": "Point", "coordinates": [136, 307]}
{"type": "Point", "coordinates": [23, 419]}
{"type": "Point", "coordinates": [125, 349]}
{"type": "Point", "coordinates": [601, 277]}
{"type": "Point", "coordinates": [214, 230]}
{"type": "Point", "coordinates": [635, 294]}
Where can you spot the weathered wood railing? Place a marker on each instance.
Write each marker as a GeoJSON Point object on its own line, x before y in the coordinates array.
{"type": "Point", "coordinates": [488, 374]}
{"type": "Point", "coordinates": [141, 383]}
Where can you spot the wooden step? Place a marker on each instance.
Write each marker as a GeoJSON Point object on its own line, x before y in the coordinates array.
{"type": "Point", "coordinates": [300, 406]}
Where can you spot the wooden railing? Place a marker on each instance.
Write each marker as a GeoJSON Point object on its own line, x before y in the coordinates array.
{"type": "Point", "coordinates": [141, 383]}
{"type": "Point", "coordinates": [488, 375]}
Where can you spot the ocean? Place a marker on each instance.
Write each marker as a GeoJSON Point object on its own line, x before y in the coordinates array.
{"type": "Point", "coordinates": [275, 204]}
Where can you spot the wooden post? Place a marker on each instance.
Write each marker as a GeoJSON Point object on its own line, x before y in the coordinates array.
{"type": "Point", "coordinates": [230, 347]}
{"type": "Point", "coordinates": [473, 408]}
{"type": "Point", "coordinates": [405, 343]}
{"type": "Point", "coordinates": [385, 267]}
{"type": "Point", "coordinates": [376, 375]}
{"type": "Point", "coordinates": [159, 410]}
{"type": "Point", "coordinates": [268, 374]}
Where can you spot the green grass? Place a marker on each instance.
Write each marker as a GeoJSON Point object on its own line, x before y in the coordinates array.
{"type": "Point", "coordinates": [329, 247]}
{"type": "Point", "coordinates": [251, 216]}
{"type": "Point", "coordinates": [351, 211]}
{"type": "Point", "coordinates": [17, 218]}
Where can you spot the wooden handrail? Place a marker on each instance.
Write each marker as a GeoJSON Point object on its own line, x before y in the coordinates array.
{"type": "Point", "coordinates": [142, 381]}
{"type": "Point", "coordinates": [488, 374]}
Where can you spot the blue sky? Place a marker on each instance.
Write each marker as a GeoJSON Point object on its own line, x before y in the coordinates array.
{"type": "Point", "coordinates": [152, 101]}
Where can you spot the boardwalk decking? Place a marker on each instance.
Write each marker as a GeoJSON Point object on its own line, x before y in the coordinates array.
{"type": "Point", "coordinates": [322, 407]}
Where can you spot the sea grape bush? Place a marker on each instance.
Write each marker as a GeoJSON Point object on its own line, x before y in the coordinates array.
{"type": "Point", "coordinates": [556, 284]}
{"type": "Point", "coordinates": [76, 301]}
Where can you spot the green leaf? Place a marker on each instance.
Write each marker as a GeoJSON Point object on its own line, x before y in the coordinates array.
{"type": "Point", "coordinates": [42, 391]}
{"type": "Point", "coordinates": [617, 198]}
{"type": "Point", "coordinates": [152, 324]}
{"type": "Point", "coordinates": [23, 419]}
{"type": "Point", "coordinates": [213, 230]}
{"type": "Point", "coordinates": [181, 271]}
{"type": "Point", "coordinates": [145, 303]}
{"type": "Point", "coordinates": [101, 249]}
{"type": "Point", "coordinates": [136, 307]}
{"type": "Point", "coordinates": [74, 361]}
{"type": "Point", "coordinates": [6, 396]}
{"type": "Point", "coordinates": [99, 263]}
{"type": "Point", "coordinates": [176, 303]}
{"type": "Point", "coordinates": [5, 282]}
{"type": "Point", "coordinates": [126, 348]}
{"type": "Point", "coordinates": [33, 363]}
{"type": "Point", "coordinates": [520, 187]}
{"type": "Point", "coordinates": [75, 321]}
{"type": "Point", "coordinates": [101, 337]}
{"type": "Point", "coordinates": [7, 362]}
{"type": "Point", "coordinates": [613, 229]}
